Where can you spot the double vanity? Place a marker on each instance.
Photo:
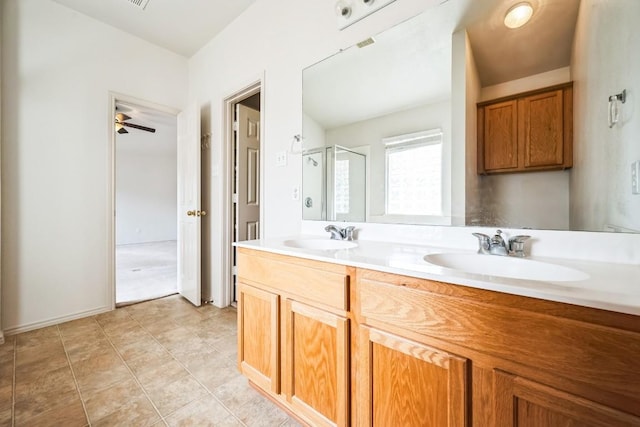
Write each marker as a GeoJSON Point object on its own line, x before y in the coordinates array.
{"type": "Point", "coordinates": [364, 333]}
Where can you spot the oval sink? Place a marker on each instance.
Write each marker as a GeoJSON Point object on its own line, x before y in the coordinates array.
{"type": "Point", "coordinates": [502, 266]}
{"type": "Point", "coordinates": [320, 244]}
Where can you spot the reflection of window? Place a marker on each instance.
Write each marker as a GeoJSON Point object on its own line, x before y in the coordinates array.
{"type": "Point", "coordinates": [414, 173]}
{"type": "Point", "coordinates": [342, 186]}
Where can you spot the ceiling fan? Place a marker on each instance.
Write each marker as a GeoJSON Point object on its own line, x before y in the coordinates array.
{"type": "Point", "coordinates": [121, 123]}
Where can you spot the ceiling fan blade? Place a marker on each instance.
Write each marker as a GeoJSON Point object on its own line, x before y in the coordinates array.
{"type": "Point", "coordinates": [121, 117]}
{"type": "Point", "coordinates": [133, 125]}
{"type": "Point", "coordinates": [122, 130]}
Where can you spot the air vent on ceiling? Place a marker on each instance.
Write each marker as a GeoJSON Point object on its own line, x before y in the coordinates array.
{"type": "Point", "coordinates": [366, 42]}
{"type": "Point", "coordinates": [140, 3]}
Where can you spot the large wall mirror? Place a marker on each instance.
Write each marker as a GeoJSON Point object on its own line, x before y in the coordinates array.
{"type": "Point", "coordinates": [390, 125]}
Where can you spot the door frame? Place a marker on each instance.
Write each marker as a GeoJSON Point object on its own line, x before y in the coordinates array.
{"type": "Point", "coordinates": [228, 108]}
{"type": "Point", "coordinates": [111, 181]}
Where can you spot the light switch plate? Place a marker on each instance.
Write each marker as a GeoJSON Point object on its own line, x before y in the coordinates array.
{"type": "Point", "coordinates": [281, 158]}
{"type": "Point", "coordinates": [635, 177]}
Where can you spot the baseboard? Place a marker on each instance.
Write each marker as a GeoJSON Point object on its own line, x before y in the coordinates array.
{"type": "Point", "coordinates": [54, 321]}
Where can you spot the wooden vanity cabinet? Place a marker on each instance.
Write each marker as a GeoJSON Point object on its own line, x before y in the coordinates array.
{"type": "Point", "coordinates": [503, 359]}
{"type": "Point", "coordinates": [294, 334]}
{"type": "Point", "coordinates": [340, 346]}
{"type": "Point", "coordinates": [526, 132]}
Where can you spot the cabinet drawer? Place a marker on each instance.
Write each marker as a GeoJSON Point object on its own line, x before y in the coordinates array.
{"type": "Point", "coordinates": [312, 281]}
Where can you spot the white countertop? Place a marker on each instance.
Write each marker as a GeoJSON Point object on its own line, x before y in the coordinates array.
{"type": "Point", "coordinates": [614, 287]}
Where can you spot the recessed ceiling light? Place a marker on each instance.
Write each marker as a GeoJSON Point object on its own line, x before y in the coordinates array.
{"type": "Point", "coordinates": [518, 15]}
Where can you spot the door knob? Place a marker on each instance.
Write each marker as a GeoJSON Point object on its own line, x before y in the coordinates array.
{"type": "Point", "coordinates": [191, 213]}
{"type": "Point", "coordinates": [203, 213]}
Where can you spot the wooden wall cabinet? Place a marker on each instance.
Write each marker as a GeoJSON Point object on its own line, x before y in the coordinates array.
{"type": "Point", "coordinates": [530, 131]}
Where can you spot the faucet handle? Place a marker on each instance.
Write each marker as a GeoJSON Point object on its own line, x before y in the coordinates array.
{"type": "Point", "coordinates": [347, 232]}
{"type": "Point", "coordinates": [483, 241]}
{"type": "Point", "coordinates": [516, 245]}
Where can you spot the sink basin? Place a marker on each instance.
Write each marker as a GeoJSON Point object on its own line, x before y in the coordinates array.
{"type": "Point", "coordinates": [320, 244]}
{"type": "Point", "coordinates": [502, 266]}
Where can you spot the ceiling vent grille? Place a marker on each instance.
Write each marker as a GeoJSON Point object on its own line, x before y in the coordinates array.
{"type": "Point", "coordinates": [140, 3]}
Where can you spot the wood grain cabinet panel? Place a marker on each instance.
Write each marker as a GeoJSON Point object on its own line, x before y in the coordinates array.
{"type": "Point", "coordinates": [526, 132]}
{"type": "Point", "coordinates": [405, 383]}
{"type": "Point", "coordinates": [316, 368]}
{"type": "Point", "coordinates": [258, 336]}
{"type": "Point", "coordinates": [525, 403]}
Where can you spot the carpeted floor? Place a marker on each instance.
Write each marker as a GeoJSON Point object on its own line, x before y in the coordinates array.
{"type": "Point", "coordinates": [145, 271]}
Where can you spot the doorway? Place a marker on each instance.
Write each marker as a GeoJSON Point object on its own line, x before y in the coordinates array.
{"type": "Point", "coordinates": [245, 186]}
{"type": "Point", "coordinates": [145, 184]}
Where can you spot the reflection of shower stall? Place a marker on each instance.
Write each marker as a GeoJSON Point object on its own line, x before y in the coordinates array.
{"type": "Point", "coordinates": [334, 184]}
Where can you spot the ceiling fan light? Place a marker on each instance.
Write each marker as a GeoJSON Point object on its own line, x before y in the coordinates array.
{"type": "Point", "coordinates": [518, 15]}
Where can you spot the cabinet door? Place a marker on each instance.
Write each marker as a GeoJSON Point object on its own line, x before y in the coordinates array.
{"type": "Point", "coordinates": [405, 383]}
{"type": "Point", "coordinates": [258, 337]}
{"type": "Point", "coordinates": [316, 364]}
{"type": "Point", "coordinates": [524, 403]}
{"type": "Point", "coordinates": [500, 136]}
{"type": "Point", "coordinates": [542, 130]}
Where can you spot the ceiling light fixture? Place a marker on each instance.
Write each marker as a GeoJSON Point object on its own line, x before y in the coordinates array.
{"type": "Point", "coordinates": [518, 15]}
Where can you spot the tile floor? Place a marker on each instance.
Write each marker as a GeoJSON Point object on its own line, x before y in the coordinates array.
{"type": "Point", "coordinates": [162, 362]}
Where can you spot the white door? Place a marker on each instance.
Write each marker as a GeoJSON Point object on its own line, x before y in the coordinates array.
{"type": "Point", "coordinates": [189, 213]}
{"type": "Point", "coordinates": [248, 175]}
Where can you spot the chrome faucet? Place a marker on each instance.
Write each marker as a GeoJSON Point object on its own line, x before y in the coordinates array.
{"type": "Point", "coordinates": [497, 246]}
{"type": "Point", "coordinates": [338, 233]}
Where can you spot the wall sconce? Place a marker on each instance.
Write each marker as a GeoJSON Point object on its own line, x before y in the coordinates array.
{"type": "Point", "coordinates": [351, 11]}
{"type": "Point", "coordinates": [614, 107]}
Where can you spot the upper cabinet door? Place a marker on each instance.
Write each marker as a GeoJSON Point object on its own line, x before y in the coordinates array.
{"type": "Point", "coordinates": [500, 136]}
{"type": "Point", "coordinates": [526, 132]}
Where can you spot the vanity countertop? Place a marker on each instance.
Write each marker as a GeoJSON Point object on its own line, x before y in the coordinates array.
{"type": "Point", "coordinates": [614, 287]}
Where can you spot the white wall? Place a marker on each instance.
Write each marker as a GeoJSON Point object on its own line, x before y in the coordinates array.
{"type": "Point", "coordinates": [58, 68]}
{"type": "Point", "coordinates": [601, 178]}
{"type": "Point", "coordinates": [146, 185]}
{"type": "Point", "coordinates": [275, 43]}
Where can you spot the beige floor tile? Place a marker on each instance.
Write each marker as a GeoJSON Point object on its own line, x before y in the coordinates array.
{"type": "Point", "coordinates": [7, 349]}
{"type": "Point", "coordinates": [213, 380]}
{"type": "Point", "coordinates": [6, 385]}
{"type": "Point", "coordinates": [100, 372]}
{"type": "Point", "coordinates": [44, 402]}
{"type": "Point", "coordinates": [51, 354]}
{"type": "Point", "coordinates": [5, 417]}
{"type": "Point", "coordinates": [290, 422]}
{"type": "Point", "coordinates": [70, 414]}
{"type": "Point", "coordinates": [203, 364]}
{"type": "Point", "coordinates": [145, 346]}
{"type": "Point", "coordinates": [177, 394]}
{"type": "Point", "coordinates": [157, 371]}
{"type": "Point", "coordinates": [227, 346]}
{"type": "Point", "coordinates": [235, 392]}
{"type": "Point", "coordinates": [101, 403]}
{"type": "Point", "coordinates": [38, 387]}
{"type": "Point", "coordinates": [37, 337]}
{"type": "Point", "coordinates": [137, 412]}
{"type": "Point", "coordinates": [78, 351]}
{"type": "Point", "coordinates": [203, 412]}
{"type": "Point", "coordinates": [81, 328]}
{"type": "Point", "coordinates": [259, 412]}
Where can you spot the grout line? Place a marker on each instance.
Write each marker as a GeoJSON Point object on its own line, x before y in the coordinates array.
{"type": "Point", "coordinates": [73, 374]}
{"type": "Point", "coordinates": [190, 373]}
{"type": "Point", "coordinates": [135, 378]}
